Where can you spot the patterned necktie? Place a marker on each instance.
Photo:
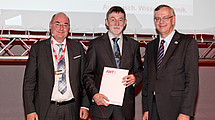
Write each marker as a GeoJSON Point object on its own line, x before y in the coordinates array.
{"type": "Point", "coordinates": [62, 69]}
{"type": "Point", "coordinates": [116, 52]}
{"type": "Point", "coordinates": [160, 54]}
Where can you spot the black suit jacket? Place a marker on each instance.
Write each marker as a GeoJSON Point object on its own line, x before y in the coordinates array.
{"type": "Point", "coordinates": [176, 82]}
{"type": "Point", "coordinates": [39, 77]}
{"type": "Point", "coordinates": [100, 55]}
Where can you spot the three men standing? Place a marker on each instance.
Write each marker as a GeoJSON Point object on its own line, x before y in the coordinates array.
{"type": "Point", "coordinates": [53, 87]}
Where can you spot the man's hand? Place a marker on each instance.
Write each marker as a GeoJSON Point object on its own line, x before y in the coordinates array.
{"type": "Point", "coordinates": [128, 80]}
{"type": "Point", "coordinates": [100, 99]}
{"type": "Point", "coordinates": [32, 116]}
{"type": "Point", "coordinates": [84, 113]}
{"type": "Point", "coordinates": [183, 117]}
{"type": "Point", "coordinates": [145, 115]}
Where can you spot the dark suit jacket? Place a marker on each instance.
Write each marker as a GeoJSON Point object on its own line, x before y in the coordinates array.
{"type": "Point", "coordinates": [100, 55]}
{"type": "Point", "coordinates": [39, 77]}
{"type": "Point", "coordinates": [176, 82]}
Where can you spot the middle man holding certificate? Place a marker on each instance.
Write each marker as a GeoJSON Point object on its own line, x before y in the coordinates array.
{"type": "Point", "coordinates": [114, 50]}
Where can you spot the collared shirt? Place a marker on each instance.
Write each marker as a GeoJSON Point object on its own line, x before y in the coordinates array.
{"type": "Point", "coordinates": [56, 95]}
{"type": "Point", "coordinates": [120, 41]}
{"type": "Point", "coordinates": [167, 41]}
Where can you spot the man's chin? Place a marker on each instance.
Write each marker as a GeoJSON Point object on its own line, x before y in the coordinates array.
{"type": "Point", "coordinates": [60, 37]}
{"type": "Point", "coordinates": [116, 33]}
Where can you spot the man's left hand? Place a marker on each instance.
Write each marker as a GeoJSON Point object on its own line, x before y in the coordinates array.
{"type": "Point", "coordinates": [84, 113]}
{"type": "Point", "coordinates": [128, 80]}
{"type": "Point", "coordinates": [183, 117]}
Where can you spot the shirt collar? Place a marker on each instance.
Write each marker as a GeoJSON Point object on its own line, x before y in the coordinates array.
{"type": "Point", "coordinates": [168, 38]}
{"type": "Point", "coordinates": [55, 42]}
{"type": "Point", "coordinates": [111, 36]}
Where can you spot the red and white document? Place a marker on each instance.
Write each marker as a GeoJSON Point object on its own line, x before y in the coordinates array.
{"type": "Point", "coordinates": [112, 86]}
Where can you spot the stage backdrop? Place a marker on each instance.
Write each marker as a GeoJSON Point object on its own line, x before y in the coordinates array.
{"type": "Point", "coordinates": [193, 16]}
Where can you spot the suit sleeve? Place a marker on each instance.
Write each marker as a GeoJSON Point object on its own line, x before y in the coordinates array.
{"type": "Point", "coordinates": [138, 67]}
{"type": "Point", "coordinates": [90, 70]}
{"type": "Point", "coordinates": [191, 79]}
{"type": "Point", "coordinates": [29, 84]}
{"type": "Point", "coordinates": [145, 83]}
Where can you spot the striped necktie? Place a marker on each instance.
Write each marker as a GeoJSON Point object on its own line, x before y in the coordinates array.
{"type": "Point", "coordinates": [116, 52]}
{"type": "Point", "coordinates": [160, 54]}
{"type": "Point", "coordinates": [61, 68]}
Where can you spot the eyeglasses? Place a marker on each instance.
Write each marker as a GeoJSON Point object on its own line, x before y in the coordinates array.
{"type": "Point", "coordinates": [157, 19]}
{"type": "Point", "coordinates": [65, 25]}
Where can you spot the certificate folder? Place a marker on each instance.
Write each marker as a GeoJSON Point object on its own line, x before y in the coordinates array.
{"type": "Point", "coordinates": [112, 86]}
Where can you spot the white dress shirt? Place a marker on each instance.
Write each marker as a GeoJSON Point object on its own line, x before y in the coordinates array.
{"type": "Point", "coordinates": [119, 42]}
{"type": "Point", "coordinates": [167, 41]}
{"type": "Point", "coordinates": [56, 95]}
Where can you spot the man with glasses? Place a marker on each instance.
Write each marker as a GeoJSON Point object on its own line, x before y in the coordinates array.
{"type": "Point", "coordinates": [102, 52]}
{"type": "Point", "coordinates": [52, 88]}
{"type": "Point", "coordinates": [171, 76]}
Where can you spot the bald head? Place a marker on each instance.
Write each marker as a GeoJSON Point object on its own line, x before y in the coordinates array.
{"type": "Point", "coordinates": [60, 13]}
{"type": "Point", "coordinates": [59, 26]}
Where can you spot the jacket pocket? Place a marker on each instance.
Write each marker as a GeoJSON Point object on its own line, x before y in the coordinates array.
{"type": "Point", "coordinates": [78, 56]}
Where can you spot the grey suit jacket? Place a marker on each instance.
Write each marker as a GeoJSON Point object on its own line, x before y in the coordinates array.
{"type": "Point", "coordinates": [39, 77]}
{"type": "Point", "coordinates": [100, 55]}
{"type": "Point", "coordinates": [176, 81]}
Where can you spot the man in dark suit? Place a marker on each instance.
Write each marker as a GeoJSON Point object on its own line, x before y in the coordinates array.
{"type": "Point", "coordinates": [100, 54]}
{"type": "Point", "coordinates": [52, 88]}
{"type": "Point", "coordinates": [171, 77]}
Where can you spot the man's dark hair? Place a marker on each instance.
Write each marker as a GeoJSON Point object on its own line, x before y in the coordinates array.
{"type": "Point", "coordinates": [116, 9]}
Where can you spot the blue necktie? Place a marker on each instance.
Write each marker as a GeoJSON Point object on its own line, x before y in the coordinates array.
{"type": "Point", "coordinates": [160, 54]}
{"type": "Point", "coordinates": [62, 68]}
{"type": "Point", "coordinates": [116, 52]}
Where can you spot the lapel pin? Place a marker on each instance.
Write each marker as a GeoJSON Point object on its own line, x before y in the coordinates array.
{"type": "Point", "coordinates": [176, 42]}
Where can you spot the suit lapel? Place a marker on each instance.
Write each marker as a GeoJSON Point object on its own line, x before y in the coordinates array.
{"type": "Point", "coordinates": [70, 59]}
{"type": "Point", "coordinates": [48, 50]}
{"type": "Point", "coordinates": [125, 51]}
{"type": "Point", "coordinates": [50, 63]}
{"type": "Point", "coordinates": [155, 50]}
{"type": "Point", "coordinates": [108, 47]}
{"type": "Point", "coordinates": [171, 48]}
